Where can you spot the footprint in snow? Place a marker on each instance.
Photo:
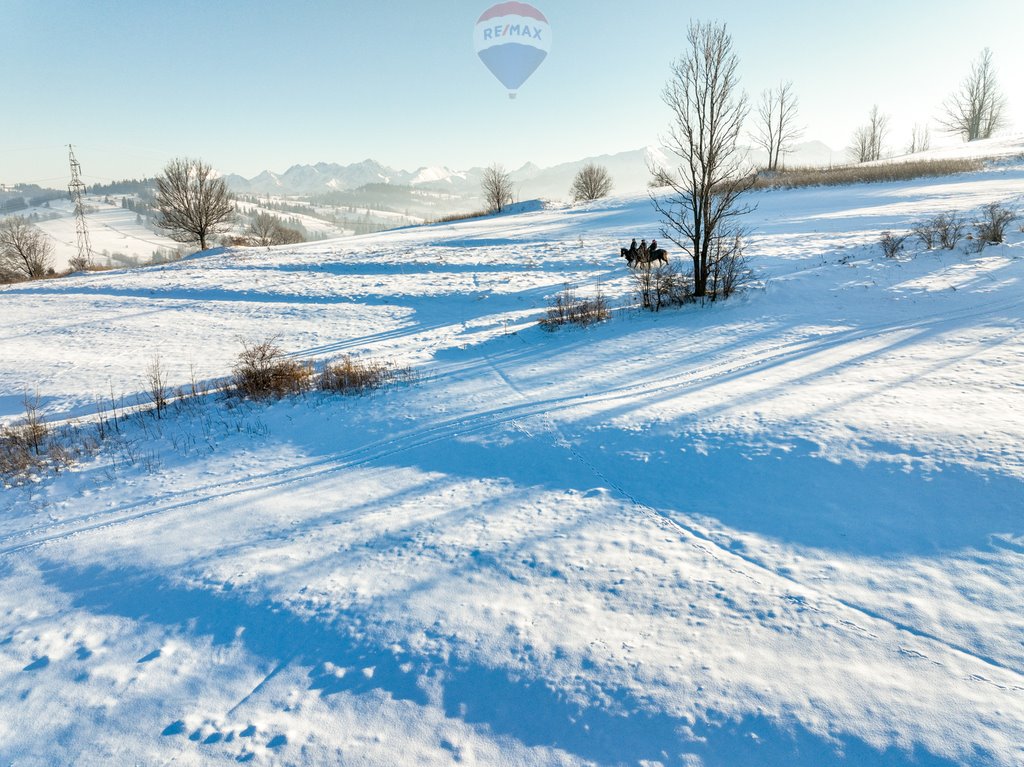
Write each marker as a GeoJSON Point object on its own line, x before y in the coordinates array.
{"type": "Point", "coordinates": [174, 728]}
{"type": "Point", "coordinates": [38, 663]}
{"type": "Point", "coordinates": [277, 741]}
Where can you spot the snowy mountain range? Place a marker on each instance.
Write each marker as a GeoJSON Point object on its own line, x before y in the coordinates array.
{"type": "Point", "coordinates": [629, 170]}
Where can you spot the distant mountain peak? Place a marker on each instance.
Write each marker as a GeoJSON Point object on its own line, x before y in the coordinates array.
{"type": "Point", "coordinates": [629, 170]}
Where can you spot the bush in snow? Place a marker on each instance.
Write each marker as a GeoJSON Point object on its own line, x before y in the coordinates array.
{"type": "Point", "coordinates": [569, 309]}
{"type": "Point", "coordinates": [950, 227]}
{"type": "Point", "coordinates": [945, 230]}
{"type": "Point", "coordinates": [263, 370]}
{"type": "Point", "coordinates": [662, 286]}
{"type": "Point", "coordinates": [995, 217]}
{"type": "Point", "coordinates": [926, 232]}
{"type": "Point", "coordinates": [30, 446]}
{"type": "Point", "coordinates": [892, 244]}
{"type": "Point", "coordinates": [728, 267]}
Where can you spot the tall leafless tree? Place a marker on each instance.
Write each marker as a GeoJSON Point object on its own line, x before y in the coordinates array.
{"type": "Point", "coordinates": [592, 182]}
{"type": "Point", "coordinates": [25, 251]}
{"type": "Point", "coordinates": [701, 208]}
{"type": "Point", "coordinates": [776, 128]}
{"type": "Point", "coordinates": [496, 187]}
{"type": "Point", "coordinates": [920, 139]}
{"type": "Point", "coordinates": [194, 203]}
{"type": "Point", "coordinates": [869, 139]}
{"type": "Point", "coordinates": [978, 108]}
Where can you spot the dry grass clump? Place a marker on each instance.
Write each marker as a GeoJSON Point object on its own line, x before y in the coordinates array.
{"type": "Point", "coordinates": [794, 178]}
{"type": "Point", "coordinates": [262, 370]}
{"type": "Point", "coordinates": [449, 218]}
{"type": "Point", "coordinates": [569, 309]}
{"type": "Point", "coordinates": [354, 376]}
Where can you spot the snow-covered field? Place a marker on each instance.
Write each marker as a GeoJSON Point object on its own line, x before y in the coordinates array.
{"type": "Point", "coordinates": [115, 234]}
{"type": "Point", "coordinates": [785, 529]}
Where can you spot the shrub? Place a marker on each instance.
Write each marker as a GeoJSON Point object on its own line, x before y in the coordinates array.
{"type": "Point", "coordinates": [945, 229]}
{"type": "Point", "coordinates": [728, 268]}
{"type": "Point", "coordinates": [156, 385]}
{"type": "Point", "coordinates": [30, 446]}
{"type": "Point", "coordinates": [926, 232]}
{"type": "Point", "coordinates": [950, 227]}
{"type": "Point", "coordinates": [353, 376]}
{"type": "Point", "coordinates": [892, 244]}
{"type": "Point", "coordinates": [569, 309]}
{"type": "Point", "coordinates": [263, 370]}
{"type": "Point", "coordinates": [663, 286]}
{"type": "Point", "coordinates": [995, 217]}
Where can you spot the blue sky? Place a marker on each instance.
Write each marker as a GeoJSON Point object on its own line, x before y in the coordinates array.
{"type": "Point", "coordinates": [248, 86]}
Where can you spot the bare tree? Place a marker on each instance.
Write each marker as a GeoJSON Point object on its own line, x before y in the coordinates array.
{"type": "Point", "coordinates": [920, 139]}
{"type": "Point", "coordinates": [592, 182]}
{"type": "Point", "coordinates": [776, 128]}
{"type": "Point", "coordinates": [701, 208]}
{"type": "Point", "coordinates": [25, 251]}
{"type": "Point", "coordinates": [194, 204]}
{"type": "Point", "coordinates": [977, 109]}
{"type": "Point", "coordinates": [267, 229]}
{"type": "Point", "coordinates": [869, 139]}
{"type": "Point", "coordinates": [497, 188]}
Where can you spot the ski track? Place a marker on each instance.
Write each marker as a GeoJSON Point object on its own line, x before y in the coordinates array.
{"type": "Point", "coordinates": [720, 554]}
{"type": "Point", "coordinates": [479, 421]}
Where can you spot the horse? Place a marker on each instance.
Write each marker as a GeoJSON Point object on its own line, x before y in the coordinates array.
{"type": "Point", "coordinates": [646, 259]}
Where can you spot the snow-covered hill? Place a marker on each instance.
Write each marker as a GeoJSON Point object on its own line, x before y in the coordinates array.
{"type": "Point", "coordinates": [1010, 145]}
{"type": "Point", "coordinates": [784, 529]}
{"type": "Point", "coordinates": [118, 236]}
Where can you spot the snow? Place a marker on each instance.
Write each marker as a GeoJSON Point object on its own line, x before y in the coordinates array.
{"type": "Point", "coordinates": [112, 230]}
{"type": "Point", "coordinates": [431, 175]}
{"type": "Point", "coordinates": [783, 529]}
{"type": "Point", "coordinates": [1009, 145]}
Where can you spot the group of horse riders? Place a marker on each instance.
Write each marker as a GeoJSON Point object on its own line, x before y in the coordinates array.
{"type": "Point", "coordinates": [644, 253]}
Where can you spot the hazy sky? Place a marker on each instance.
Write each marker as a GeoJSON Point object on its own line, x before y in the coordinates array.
{"type": "Point", "coordinates": [258, 85]}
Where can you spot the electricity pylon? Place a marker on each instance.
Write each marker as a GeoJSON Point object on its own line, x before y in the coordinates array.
{"type": "Point", "coordinates": [76, 189]}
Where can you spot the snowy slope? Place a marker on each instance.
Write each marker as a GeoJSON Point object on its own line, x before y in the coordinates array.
{"type": "Point", "coordinates": [1010, 146]}
{"type": "Point", "coordinates": [786, 529]}
{"type": "Point", "coordinates": [113, 231]}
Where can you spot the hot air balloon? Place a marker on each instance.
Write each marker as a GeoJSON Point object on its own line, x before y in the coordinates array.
{"type": "Point", "coordinates": [512, 39]}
